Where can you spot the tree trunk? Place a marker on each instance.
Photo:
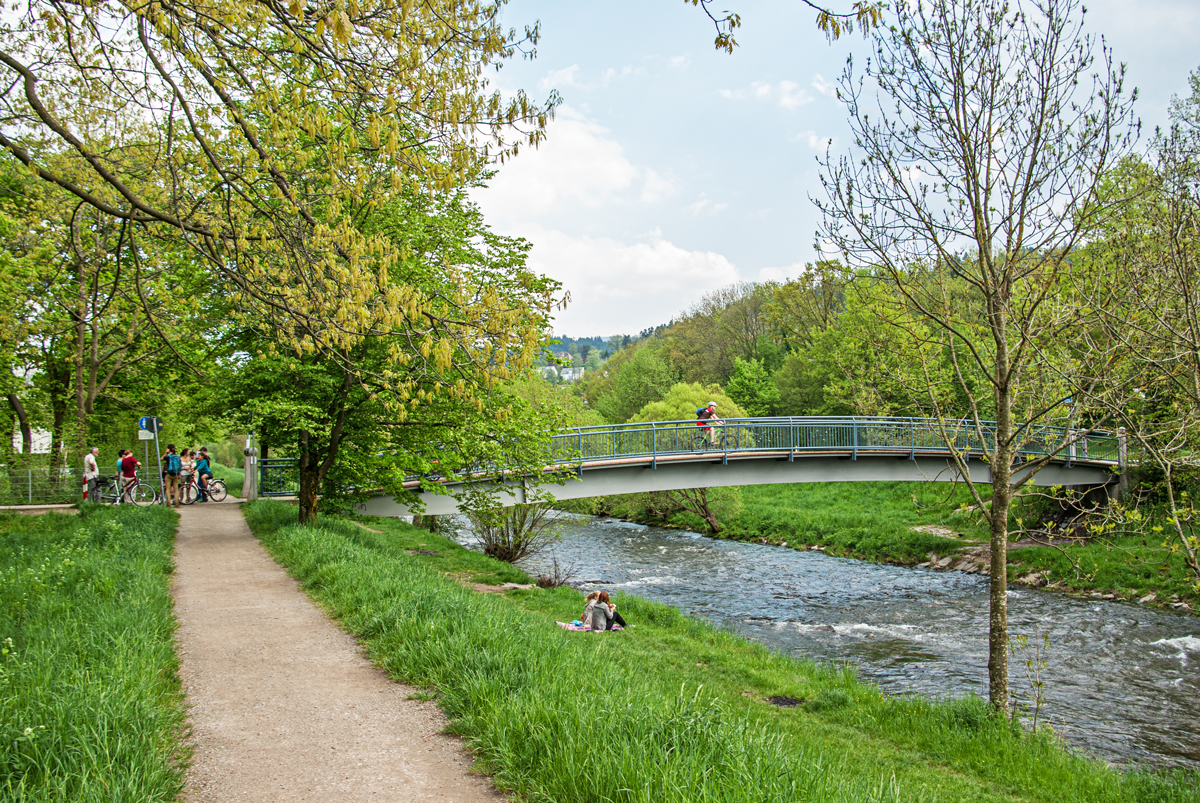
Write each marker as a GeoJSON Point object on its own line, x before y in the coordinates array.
{"type": "Point", "coordinates": [998, 521]}
{"type": "Point", "coordinates": [310, 479]}
{"type": "Point", "coordinates": [18, 409]}
{"type": "Point", "coordinates": [60, 389]}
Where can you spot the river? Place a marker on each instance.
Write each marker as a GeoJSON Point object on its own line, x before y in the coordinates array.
{"type": "Point", "coordinates": [1122, 680]}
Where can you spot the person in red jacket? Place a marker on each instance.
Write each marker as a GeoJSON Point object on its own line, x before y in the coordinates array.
{"type": "Point", "coordinates": [129, 467]}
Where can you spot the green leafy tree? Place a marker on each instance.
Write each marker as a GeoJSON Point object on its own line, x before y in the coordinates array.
{"type": "Point", "coordinates": [364, 419]}
{"type": "Point", "coordinates": [752, 387]}
{"type": "Point", "coordinates": [629, 380]}
{"type": "Point", "coordinates": [980, 137]}
{"type": "Point", "coordinates": [682, 400]}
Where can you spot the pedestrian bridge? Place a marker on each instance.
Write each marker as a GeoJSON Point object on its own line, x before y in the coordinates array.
{"type": "Point", "coordinates": [674, 455]}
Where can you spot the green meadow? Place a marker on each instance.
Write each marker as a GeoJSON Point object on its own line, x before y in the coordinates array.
{"type": "Point", "coordinates": [672, 709]}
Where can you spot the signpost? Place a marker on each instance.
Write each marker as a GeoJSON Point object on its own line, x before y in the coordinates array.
{"type": "Point", "coordinates": [148, 429]}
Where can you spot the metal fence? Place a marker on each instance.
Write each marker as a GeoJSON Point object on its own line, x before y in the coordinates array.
{"type": "Point", "coordinates": [39, 485]}
{"type": "Point", "coordinates": [794, 437]}
{"type": "Point", "coordinates": [278, 476]}
{"type": "Point", "coordinates": [852, 436]}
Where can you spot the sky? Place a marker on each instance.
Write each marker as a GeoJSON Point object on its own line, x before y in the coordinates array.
{"type": "Point", "coordinates": [672, 169]}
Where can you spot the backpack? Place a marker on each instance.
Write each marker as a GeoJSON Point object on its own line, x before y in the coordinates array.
{"type": "Point", "coordinates": [174, 464]}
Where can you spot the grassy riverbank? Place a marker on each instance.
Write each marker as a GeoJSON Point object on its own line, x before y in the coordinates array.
{"type": "Point", "coordinates": [904, 522]}
{"type": "Point", "coordinates": [90, 704]}
{"type": "Point", "coordinates": [674, 709]}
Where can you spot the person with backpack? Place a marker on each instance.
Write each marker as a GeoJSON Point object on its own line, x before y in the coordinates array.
{"type": "Point", "coordinates": [172, 467]}
{"type": "Point", "coordinates": [706, 417]}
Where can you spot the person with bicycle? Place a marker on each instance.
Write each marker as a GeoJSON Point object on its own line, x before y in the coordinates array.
{"type": "Point", "coordinates": [129, 466]}
{"type": "Point", "coordinates": [203, 473]}
{"type": "Point", "coordinates": [707, 420]}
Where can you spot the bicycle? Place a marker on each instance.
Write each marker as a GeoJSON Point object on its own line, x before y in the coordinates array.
{"type": "Point", "coordinates": [189, 491]}
{"type": "Point", "coordinates": [702, 443]}
{"type": "Point", "coordinates": [110, 493]}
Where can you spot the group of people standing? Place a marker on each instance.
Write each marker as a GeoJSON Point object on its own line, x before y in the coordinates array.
{"type": "Point", "coordinates": [180, 468]}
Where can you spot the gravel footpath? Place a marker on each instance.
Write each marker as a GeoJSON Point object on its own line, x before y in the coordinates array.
{"type": "Point", "coordinates": [283, 705]}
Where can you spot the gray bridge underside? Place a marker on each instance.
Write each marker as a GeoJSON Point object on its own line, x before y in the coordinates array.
{"type": "Point", "coordinates": [638, 475]}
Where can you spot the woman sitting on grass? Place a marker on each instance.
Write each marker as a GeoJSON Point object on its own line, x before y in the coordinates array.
{"type": "Point", "coordinates": [600, 613]}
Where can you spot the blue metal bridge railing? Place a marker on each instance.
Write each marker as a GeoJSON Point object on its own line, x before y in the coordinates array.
{"type": "Point", "coordinates": [793, 437]}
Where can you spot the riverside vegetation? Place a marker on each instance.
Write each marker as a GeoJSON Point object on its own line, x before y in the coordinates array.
{"type": "Point", "coordinates": [675, 709]}
{"type": "Point", "coordinates": [91, 707]}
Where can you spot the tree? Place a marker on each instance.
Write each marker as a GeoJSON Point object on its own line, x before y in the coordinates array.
{"type": "Point", "coordinates": [363, 421]}
{"type": "Point", "coordinates": [1143, 291]}
{"type": "Point", "coordinates": [628, 381]}
{"type": "Point", "coordinates": [974, 179]}
{"type": "Point", "coordinates": [262, 135]}
{"type": "Point", "coordinates": [752, 387]}
{"type": "Point", "coordinates": [870, 360]}
{"type": "Point", "coordinates": [681, 401]}
{"type": "Point", "coordinates": [863, 14]}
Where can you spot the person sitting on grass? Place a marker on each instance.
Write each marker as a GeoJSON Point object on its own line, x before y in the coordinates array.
{"type": "Point", "coordinates": [600, 613]}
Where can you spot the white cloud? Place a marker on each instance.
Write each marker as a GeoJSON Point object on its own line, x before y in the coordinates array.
{"type": "Point", "coordinates": [705, 204]}
{"type": "Point", "coordinates": [680, 62]}
{"type": "Point", "coordinates": [569, 77]}
{"type": "Point", "coordinates": [556, 79]}
{"type": "Point", "coordinates": [578, 165]}
{"type": "Point", "coordinates": [824, 87]}
{"type": "Point", "coordinates": [655, 188]}
{"type": "Point", "coordinates": [815, 141]}
{"type": "Point", "coordinates": [781, 274]}
{"type": "Point", "coordinates": [621, 287]}
{"type": "Point", "coordinates": [787, 94]}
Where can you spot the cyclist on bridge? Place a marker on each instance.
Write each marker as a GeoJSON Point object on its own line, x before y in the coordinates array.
{"type": "Point", "coordinates": [706, 417]}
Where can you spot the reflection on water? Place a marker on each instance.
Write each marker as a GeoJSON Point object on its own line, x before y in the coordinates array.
{"type": "Point", "coordinates": [1123, 681]}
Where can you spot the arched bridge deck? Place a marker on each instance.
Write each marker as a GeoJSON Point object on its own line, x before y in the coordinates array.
{"type": "Point", "coordinates": [674, 455]}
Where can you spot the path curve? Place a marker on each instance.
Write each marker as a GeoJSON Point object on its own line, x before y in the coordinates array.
{"type": "Point", "coordinates": [283, 705]}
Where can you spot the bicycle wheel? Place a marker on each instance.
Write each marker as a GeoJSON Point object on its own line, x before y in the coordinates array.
{"type": "Point", "coordinates": [187, 493]}
{"type": "Point", "coordinates": [143, 495]}
{"type": "Point", "coordinates": [217, 491]}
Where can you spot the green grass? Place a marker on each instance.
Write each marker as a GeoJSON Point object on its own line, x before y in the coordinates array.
{"type": "Point", "coordinates": [870, 520]}
{"type": "Point", "coordinates": [1130, 567]}
{"type": "Point", "coordinates": [235, 478]}
{"type": "Point", "coordinates": [90, 704]}
{"type": "Point", "coordinates": [670, 710]}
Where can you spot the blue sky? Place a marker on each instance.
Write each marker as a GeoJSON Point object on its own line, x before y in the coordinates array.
{"type": "Point", "coordinates": [672, 169]}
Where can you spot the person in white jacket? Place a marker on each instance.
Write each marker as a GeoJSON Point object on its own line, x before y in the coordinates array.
{"type": "Point", "coordinates": [91, 470]}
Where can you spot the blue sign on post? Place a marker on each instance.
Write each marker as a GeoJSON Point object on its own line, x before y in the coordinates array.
{"type": "Point", "coordinates": [151, 423]}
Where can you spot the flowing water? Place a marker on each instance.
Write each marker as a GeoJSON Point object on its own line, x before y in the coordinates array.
{"type": "Point", "coordinates": [1122, 681]}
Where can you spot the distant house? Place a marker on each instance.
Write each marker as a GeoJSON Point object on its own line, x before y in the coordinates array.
{"type": "Point", "coordinates": [548, 372]}
{"type": "Point", "coordinates": [565, 356]}
{"type": "Point", "coordinates": [570, 374]}
{"type": "Point", "coordinates": [41, 441]}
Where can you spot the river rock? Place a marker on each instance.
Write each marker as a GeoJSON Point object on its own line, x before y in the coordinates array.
{"type": "Point", "coordinates": [1151, 597]}
{"type": "Point", "coordinates": [944, 562]}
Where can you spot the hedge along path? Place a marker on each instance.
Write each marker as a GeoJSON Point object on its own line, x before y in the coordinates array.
{"type": "Point", "coordinates": [283, 706]}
